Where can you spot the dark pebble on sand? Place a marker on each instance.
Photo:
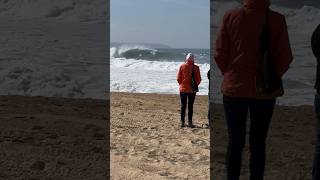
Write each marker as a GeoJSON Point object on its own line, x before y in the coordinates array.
{"type": "Point", "coordinates": [53, 136]}
{"type": "Point", "coordinates": [38, 165]}
{"type": "Point", "coordinates": [20, 117]}
{"type": "Point", "coordinates": [37, 127]}
{"type": "Point", "coordinates": [17, 141]}
{"type": "Point", "coordinates": [163, 174]}
{"type": "Point", "coordinates": [61, 163]}
{"type": "Point", "coordinates": [28, 139]}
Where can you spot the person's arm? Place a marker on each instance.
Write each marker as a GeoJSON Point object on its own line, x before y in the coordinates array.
{"type": "Point", "coordinates": [283, 49]}
{"type": "Point", "coordinates": [315, 42]}
{"type": "Point", "coordinates": [222, 52]}
{"type": "Point", "coordinates": [179, 76]}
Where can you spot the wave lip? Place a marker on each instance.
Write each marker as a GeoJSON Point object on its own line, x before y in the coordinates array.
{"type": "Point", "coordinates": [129, 51]}
{"type": "Point", "coordinates": [142, 52]}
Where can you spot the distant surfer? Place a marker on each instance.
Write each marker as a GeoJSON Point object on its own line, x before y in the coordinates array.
{"type": "Point", "coordinates": [189, 79]}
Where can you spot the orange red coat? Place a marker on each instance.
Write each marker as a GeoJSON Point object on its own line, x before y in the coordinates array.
{"type": "Point", "coordinates": [237, 47]}
{"type": "Point", "coordinates": [184, 76]}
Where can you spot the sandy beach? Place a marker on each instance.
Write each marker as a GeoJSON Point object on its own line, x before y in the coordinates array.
{"type": "Point", "coordinates": [147, 142]}
{"type": "Point", "coordinates": [58, 138]}
{"type": "Point", "coordinates": [290, 144]}
{"type": "Point", "coordinates": [49, 138]}
{"type": "Point", "coordinates": [52, 138]}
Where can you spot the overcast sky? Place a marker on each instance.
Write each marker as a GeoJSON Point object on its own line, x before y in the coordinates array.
{"type": "Point", "coordinates": [177, 23]}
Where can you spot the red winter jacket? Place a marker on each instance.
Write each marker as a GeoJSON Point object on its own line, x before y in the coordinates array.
{"type": "Point", "coordinates": [184, 76]}
{"type": "Point", "coordinates": [237, 47]}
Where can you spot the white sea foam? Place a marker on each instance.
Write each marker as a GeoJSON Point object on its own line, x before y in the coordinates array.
{"type": "Point", "coordinates": [145, 76]}
{"type": "Point", "coordinates": [40, 80]}
{"type": "Point", "coordinates": [53, 58]}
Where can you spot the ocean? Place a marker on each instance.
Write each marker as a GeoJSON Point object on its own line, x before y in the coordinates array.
{"type": "Point", "coordinates": [139, 68]}
{"type": "Point", "coordinates": [54, 48]}
{"type": "Point", "coordinates": [300, 78]}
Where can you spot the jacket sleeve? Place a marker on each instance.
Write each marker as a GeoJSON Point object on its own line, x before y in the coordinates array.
{"type": "Point", "coordinates": [221, 54]}
{"type": "Point", "coordinates": [198, 76]}
{"type": "Point", "coordinates": [179, 76]}
{"type": "Point", "coordinates": [283, 49]}
{"type": "Point", "coordinates": [315, 42]}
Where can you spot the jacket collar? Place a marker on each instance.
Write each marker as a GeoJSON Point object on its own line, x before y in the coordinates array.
{"type": "Point", "coordinates": [189, 62]}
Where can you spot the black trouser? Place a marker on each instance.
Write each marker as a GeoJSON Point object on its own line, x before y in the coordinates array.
{"type": "Point", "coordinates": [184, 97]}
{"type": "Point", "coordinates": [260, 116]}
{"type": "Point", "coordinates": [316, 163]}
{"type": "Point", "coordinates": [210, 113]}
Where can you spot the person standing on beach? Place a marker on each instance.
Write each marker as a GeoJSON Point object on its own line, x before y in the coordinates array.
{"type": "Point", "coordinates": [238, 56]}
{"type": "Point", "coordinates": [209, 94]}
{"type": "Point", "coordinates": [315, 44]}
{"type": "Point", "coordinates": [187, 93]}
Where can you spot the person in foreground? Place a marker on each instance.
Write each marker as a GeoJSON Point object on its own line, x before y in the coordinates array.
{"type": "Point", "coordinates": [188, 72]}
{"type": "Point", "coordinates": [315, 44]}
{"type": "Point", "coordinates": [209, 94]}
{"type": "Point", "coordinates": [238, 56]}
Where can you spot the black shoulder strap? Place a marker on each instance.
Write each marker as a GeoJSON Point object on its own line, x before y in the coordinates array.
{"type": "Point", "coordinates": [268, 28]}
{"type": "Point", "coordinates": [192, 73]}
{"type": "Point", "coordinates": [267, 17]}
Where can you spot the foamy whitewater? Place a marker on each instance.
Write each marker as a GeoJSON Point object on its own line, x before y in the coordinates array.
{"type": "Point", "coordinates": [54, 48]}
{"type": "Point", "coordinates": [300, 78]}
{"type": "Point", "coordinates": [142, 69]}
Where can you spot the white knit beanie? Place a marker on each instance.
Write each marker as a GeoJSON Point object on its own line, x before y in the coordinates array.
{"type": "Point", "coordinates": [190, 57]}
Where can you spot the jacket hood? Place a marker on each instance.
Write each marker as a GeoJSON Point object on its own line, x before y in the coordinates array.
{"type": "Point", "coordinates": [256, 4]}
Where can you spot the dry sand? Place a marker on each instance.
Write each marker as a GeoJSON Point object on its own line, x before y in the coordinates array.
{"type": "Point", "coordinates": [147, 142]}
{"type": "Point", "coordinates": [290, 145]}
{"type": "Point", "coordinates": [52, 138]}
